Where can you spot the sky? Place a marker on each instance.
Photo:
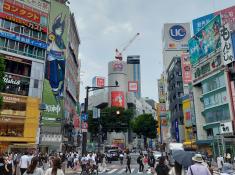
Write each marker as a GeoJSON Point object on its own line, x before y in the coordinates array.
{"type": "Point", "coordinates": [104, 25]}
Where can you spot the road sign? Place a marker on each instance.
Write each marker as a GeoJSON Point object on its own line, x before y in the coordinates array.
{"type": "Point", "coordinates": [84, 125]}
{"type": "Point", "coordinates": [84, 117]}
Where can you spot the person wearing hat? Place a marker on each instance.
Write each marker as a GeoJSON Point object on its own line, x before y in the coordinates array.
{"type": "Point", "coordinates": [198, 168]}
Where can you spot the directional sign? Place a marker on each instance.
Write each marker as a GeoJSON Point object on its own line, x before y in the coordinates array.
{"type": "Point", "coordinates": [84, 117]}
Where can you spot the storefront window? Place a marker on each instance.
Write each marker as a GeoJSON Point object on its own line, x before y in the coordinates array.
{"type": "Point", "coordinates": [17, 68]}
{"type": "Point", "coordinates": [12, 130]}
{"type": "Point", "coordinates": [14, 108]}
{"type": "Point", "coordinates": [213, 83]}
{"type": "Point", "coordinates": [215, 99]}
{"type": "Point", "coordinates": [7, 25]}
{"type": "Point", "coordinates": [217, 114]}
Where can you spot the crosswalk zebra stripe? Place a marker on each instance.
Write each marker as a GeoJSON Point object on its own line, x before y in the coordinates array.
{"type": "Point", "coordinates": [112, 171]}
{"type": "Point", "coordinates": [132, 170]}
{"type": "Point", "coordinates": [122, 171]}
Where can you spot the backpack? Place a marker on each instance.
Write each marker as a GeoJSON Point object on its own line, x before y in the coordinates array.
{"type": "Point", "coordinates": [162, 169]}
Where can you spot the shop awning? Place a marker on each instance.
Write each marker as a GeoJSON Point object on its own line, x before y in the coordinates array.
{"type": "Point", "coordinates": [212, 125]}
{"type": "Point", "coordinates": [204, 142]}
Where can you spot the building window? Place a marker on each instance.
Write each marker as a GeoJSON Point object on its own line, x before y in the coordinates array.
{"type": "Point", "coordinates": [36, 82]}
{"type": "Point", "coordinates": [7, 25]}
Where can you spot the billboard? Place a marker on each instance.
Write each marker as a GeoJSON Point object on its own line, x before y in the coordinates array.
{"type": "Point", "coordinates": [175, 36]}
{"type": "Point", "coordinates": [53, 88]}
{"type": "Point", "coordinates": [186, 68]}
{"type": "Point", "coordinates": [117, 99]}
{"type": "Point", "coordinates": [206, 41]}
{"type": "Point", "coordinates": [132, 86]}
{"type": "Point", "coordinates": [98, 81]}
{"type": "Point", "coordinates": [227, 16]}
{"type": "Point", "coordinates": [161, 92]}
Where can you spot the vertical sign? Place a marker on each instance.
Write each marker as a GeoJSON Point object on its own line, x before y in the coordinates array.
{"type": "Point", "coordinates": [226, 43]}
{"type": "Point", "coordinates": [186, 68]}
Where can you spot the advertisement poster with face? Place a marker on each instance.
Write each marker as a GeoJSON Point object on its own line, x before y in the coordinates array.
{"type": "Point", "coordinates": [118, 99]}
{"type": "Point", "coordinates": [186, 68]}
{"type": "Point", "coordinates": [206, 41]}
{"type": "Point", "coordinates": [55, 64]}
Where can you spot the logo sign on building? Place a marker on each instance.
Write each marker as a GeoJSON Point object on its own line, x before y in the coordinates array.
{"type": "Point", "coordinates": [132, 86]}
{"type": "Point", "coordinates": [176, 35]}
{"type": "Point", "coordinates": [9, 98]}
{"type": "Point", "coordinates": [23, 22]}
{"type": "Point", "coordinates": [227, 16]}
{"type": "Point", "coordinates": [206, 41]}
{"type": "Point", "coordinates": [117, 66]}
{"type": "Point", "coordinates": [53, 89]}
{"type": "Point", "coordinates": [226, 128]}
{"type": "Point", "coordinates": [38, 4]}
{"type": "Point", "coordinates": [117, 99]}
{"type": "Point", "coordinates": [186, 68]}
{"type": "Point", "coordinates": [226, 43]}
{"type": "Point", "coordinates": [98, 81]}
{"type": "Point", "coordinates": [23, 39]}
{"type": "Point", "coordinates": [22, 12]}
{"type": "Point", "coordinates": [177, 32]}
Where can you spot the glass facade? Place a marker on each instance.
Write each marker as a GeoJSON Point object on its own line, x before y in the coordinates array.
{"type": "Point", "coordinates": [213, 83]}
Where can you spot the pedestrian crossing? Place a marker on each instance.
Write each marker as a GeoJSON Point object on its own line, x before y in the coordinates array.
{"type": "Point", "coordinates": [120, 171]}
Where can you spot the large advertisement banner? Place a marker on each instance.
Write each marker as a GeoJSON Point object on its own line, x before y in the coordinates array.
{"type": "Point", "coordinates": [55, 64]}
{"type": "Point", "coordinates": [186, 68]}
{"type": "Point", "coordinates": [206, 41]}
{"type": "Point", "coordinates": [227, 16]}
{"type": "Point", "coordinates": [118, 99]}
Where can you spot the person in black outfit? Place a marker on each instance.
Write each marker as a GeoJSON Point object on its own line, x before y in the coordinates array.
{"type": "Point", "coordinates": [2, 166]}
{"type": "Point", "coordinates": [151, 161]}
{"type": "Point", "coordinates": [140, 162]}
{"type": "Point", "coordinates": [162, 168]}
{"type": "Point", "coordinates": [128, 163]}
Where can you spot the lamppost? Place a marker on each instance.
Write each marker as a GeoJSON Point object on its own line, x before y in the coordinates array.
{"type": "Point", "coordinates": [90, 89]}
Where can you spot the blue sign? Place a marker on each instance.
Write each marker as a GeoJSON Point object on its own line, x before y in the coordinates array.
{"type": "Point", "coordinates": [233, 42]}
{"type": "Point", "coordinates": [84, 117]}
{"type": "Point", "coordinates": [23, 39]}
{"type": "Point", "coordinates": [177, 32]}
{"type": "Point", "coordinates": [177, 136]}
{"type": "Point", "coordinates": [199, 23]}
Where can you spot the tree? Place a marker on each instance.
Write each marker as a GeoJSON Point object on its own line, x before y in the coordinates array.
{"type": "Point", "coordinates": [110, 120]}
{"type": "Point", "coordinates": [2, 70]}
{"type": "Point", "coordinates": [144, 125]}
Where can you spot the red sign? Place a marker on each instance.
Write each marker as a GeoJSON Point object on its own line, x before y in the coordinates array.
{"type": "Point", "coordinates": [76, 121]}
{"type": "Point", "coordinates": [100, 82]}
{"type": "Point", "coordinates": [22, 12]}
{"type": "Point", "coordinates": [118, 99]}
{"type": "Point", "coordinates": [228, 16]}
{"type": "Point", "coordinates": [23, 22]}
{"type": "Point", "coordinates": [186, 68]}
{"type": "Point", "coordinates": [132, 86]}
{"type": "Point", "coordinates": [84, 125]}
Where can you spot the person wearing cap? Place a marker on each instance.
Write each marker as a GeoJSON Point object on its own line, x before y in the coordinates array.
{"type": "Point", "coordinates": [198, 168]}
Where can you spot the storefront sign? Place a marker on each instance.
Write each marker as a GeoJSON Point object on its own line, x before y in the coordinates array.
{"type": "Point", "coordinates": [9, 79]}
{"type": "Point", "coordinates": [162, 109]}
{"type": "Point", "coordinates": [132, 86]}
{"type": "Point", "coordinates": [226, 43]}
{"type": "Point", "coordinates": [177, 136]}
{"type": "Point", "coordinates": [186, 68]}
{"type": "Point", "coordinates": [117, 99]}
{"type": "Point", "coordinates": [8, 98]}
{"type": "Point", "coordinates": [51, 138]}
{"type": "Point", "coordinates": [20, 21]}
{"type": "Point", "coordinates": [117, 66]}
{"type": "Point", "coordinates": [17, 59]}
{"type": "Point", "coordinates": [22, 12]}
{"type": "Point", "coordinates": [39, 4]}
{"type": "Point", "coordinates": [23, 39]}
{"type": "Point", "coordinates": [226, 128]}
{"type": "Point", "coordinates": [100, 81]}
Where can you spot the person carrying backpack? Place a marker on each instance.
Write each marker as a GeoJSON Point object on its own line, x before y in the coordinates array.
{"type": "Point", "coordinates": [162, 168]}
{"type": "Point", "coordinates": [140, 162]}
{"type": "Point", "coordinates": [151, 161]}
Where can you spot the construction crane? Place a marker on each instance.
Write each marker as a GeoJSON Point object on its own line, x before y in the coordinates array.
{"type": "Point", "coordinates": [119, 54]}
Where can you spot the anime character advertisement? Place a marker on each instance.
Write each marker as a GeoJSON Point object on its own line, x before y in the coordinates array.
{"type": "Point", "coordinates": [55, 63]}
{"type": "Point", "coordinates": [118, 99]}
{"type": "Point", "coordinates": [206, 41]}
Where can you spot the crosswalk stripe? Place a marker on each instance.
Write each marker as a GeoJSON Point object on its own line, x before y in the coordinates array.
{"type": "Point", "coordinates": [122, 171]}
{"type": "Point", "coordinates": [132, 170]}
{"type": "Point", "coordinates": [112, 171]}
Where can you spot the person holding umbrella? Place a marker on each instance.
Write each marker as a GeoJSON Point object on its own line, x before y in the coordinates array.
{"type": "Point", "coordinates": [198, 168]}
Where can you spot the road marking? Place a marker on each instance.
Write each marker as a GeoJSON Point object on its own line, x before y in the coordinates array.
{"type": "Point", "coordinates": [122, 171]}
{"type": "Point", "coordinates": [132, 170]}
{"type": "Point", "coordinates": [112, 171]}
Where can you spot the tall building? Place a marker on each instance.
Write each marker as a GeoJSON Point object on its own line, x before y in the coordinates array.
{"type": "Point", "coordinates": [134, 75]}
{"type": "Point", "coordinates": [23, 46]}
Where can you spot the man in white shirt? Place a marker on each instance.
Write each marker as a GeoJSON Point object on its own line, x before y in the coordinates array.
{"type": "Point", "coordinates": [24, 162]}
{"type": "Point", "coordinates": [198, 168]}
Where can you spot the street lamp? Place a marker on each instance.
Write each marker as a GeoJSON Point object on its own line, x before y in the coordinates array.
{"type": "Point", "coordinates": [90, 89]}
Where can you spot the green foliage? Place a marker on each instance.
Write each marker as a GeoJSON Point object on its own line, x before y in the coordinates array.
{"type": "Point", "coordinates": [144, 125]}
{"type": "Point", "coordinates": [110, 120]}
{"type": "Point", "coordinates": [2, 70]}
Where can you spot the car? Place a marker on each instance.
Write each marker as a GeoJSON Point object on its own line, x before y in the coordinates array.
{"type": "Point", "coordinates": [113, 154]}
{"type": "Point", "coordinates": [157, 155]}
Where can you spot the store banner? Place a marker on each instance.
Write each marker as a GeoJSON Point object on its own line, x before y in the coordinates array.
{"type": "Point", "coordinates": [186, 68]}
{"type": "Point", "coordinates": [23, 39]}
{"type": "Point", "coordinates": [206, 41]}
{"type": "Point", "coordinates": [23, 22]}
{"type": "Point", "coordinates": [226, 43]}
{"type": "Point", "coordinates": [132, 86]}
{"type": "Point", "coordinates": [38, 4]}
{"type": "Point", "coordinates": [118, 99]}
{"type": "Point", "coordinates": [53, 89]}
{"type": "Point", "coordinates": [22, 12]}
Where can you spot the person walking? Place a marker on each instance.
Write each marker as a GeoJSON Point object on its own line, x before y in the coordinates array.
{"type": "Point", "coordinates": [198, 168]}
{"type": "Point", "coordinates": [177, 170]}
{"type": "Point", "coordinates": [140, 162]}
{"type": "Point", "coordinates": [33, 169]}
{"type": "Point", "coordinates": [151, 162]}
{"type": "Point", "coordinates": [128, 163]}
{"type": "Point", "coordinates": [162, 168]}
{"type": "Point", "coordinates": [24, 163]}
{"type": "Point", "coordinates": [220, 162]}
{"type": "Point", "coordinates": [56, 168]}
